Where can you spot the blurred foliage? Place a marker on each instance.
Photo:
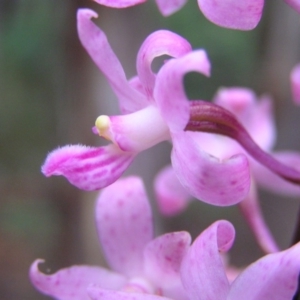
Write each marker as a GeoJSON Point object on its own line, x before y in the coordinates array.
{"type": "Point", "coordinates": [31, 75]}
{"type": "Point", "coordinates": [30, 63]}
{"type": "Point", "coordinates": [30, 219]}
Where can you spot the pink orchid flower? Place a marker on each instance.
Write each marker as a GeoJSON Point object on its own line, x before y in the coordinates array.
{"type": "Point", "coordinates": [274, 276]}
{"type": "Point", "coordinates": [234, 14]}
{"type": "Point", "coordinates": [257, 117]}
{"type": "Point", "coordinates": [139, 263]}
{"type": "Point", "coordinates": [204, 276]}
{"type": "Point", "coordinates": [155, 109]}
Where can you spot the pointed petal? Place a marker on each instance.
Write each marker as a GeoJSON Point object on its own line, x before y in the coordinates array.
{"type": "Point", "coordinates": [119, 3]}
{"type": "Point", "coordinates": [169, 91]}
{"type": "Point", "coordinates": [251, 210]}
{"type": "Point", "coordinates": [124, 223]}
{"type": "Point", "coordinates": [96, 44]}
{"type": "Point", "coordinates": [295, 82]}
{"type": "Point", "coordinates": [172, 197]}
{"type": "Point", "coordinates": [161, 42]}
{"type": "Point", "coordinates": [274, 276]}
{"type": "Point", "coordinates": [202, 272]}
{"type": "Point", "coordinates": [270, 181]}
{"type": "Point", "coordinates": [72, 283]}
{"type": "Point", "coordinates": [168, 7]}
{"type": "Point", "coordinates": [163, 257]}
{"type": "Point", "coordinates": [295, 4]}
{"type": "Point", "coordinates": [96, 293]}
{"type": "Point", "coordinates": [205, 177]}
{"type": "Point", "coordinates": [234, 14]}
{"type": "Point", "coordinates": [88, 168]}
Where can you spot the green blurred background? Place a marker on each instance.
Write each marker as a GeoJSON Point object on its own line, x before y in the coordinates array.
{"type": "Point", "coordinates": [51, 93]}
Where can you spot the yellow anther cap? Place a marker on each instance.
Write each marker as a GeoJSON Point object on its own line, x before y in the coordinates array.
{"type": "Point", "coordinates": [103, 123]}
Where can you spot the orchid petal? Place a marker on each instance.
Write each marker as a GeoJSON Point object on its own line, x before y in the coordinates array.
{"type": "Point", "coordinates": [202, 271]}
{"type": "Point", "coordinates": [295, 83]}
{"type": "Point", "coordinates": [119, 3]}
{"type": "Point", "coordinates": [205, 177]}
{"type": "Point", "coordinates": [124, 224]}
{"type": "Point", "coordinates": [168, 7]}
{"type": "Point", "coordinates": [163, 257]}
{"type": "Point", "coordinates": [97, 293]}
{"type": "Point", "coordinates": [295, 4]}
{"type": "Point", "coordinates": [267, 179]}
{"type": "Point", "coordinates": [256, 115]}
{"type": "Point", "coordinates": [95, 42]}
{"type": "Point", "coordinates": [161, 42]}
{"type": "Point", "coordinates": [274, 276]}
{"type": "Point", "coordinates": [88, 168]}
{"type": "Point", "coordinates": [169, 91]}
{"type": "Point", "coordinates": [72, 283]}
{"type": "Point", "coordinates": [172, 197]}
{"type": "Point", "coordinates": [251, 210]}
{"type": "Point", "coordinates": [234, 14]}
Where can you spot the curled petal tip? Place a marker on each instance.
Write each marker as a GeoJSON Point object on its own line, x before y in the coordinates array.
{"type": "Point", "coordinates": [206, 67]}
{"type": "Point", "coordinates": [160, 42]}
{"type": "Point", "coordinates": [225, 235]}
{"type": "Point", "coordinates": [86, 13]}
{"type": "Point", "coordinates": [35, 264]}
{"type": "Point", "coordinates": [35, 274]}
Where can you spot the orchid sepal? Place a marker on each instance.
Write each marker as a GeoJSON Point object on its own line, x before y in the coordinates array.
{"type": "Point", "coordinates": [121, 208]}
